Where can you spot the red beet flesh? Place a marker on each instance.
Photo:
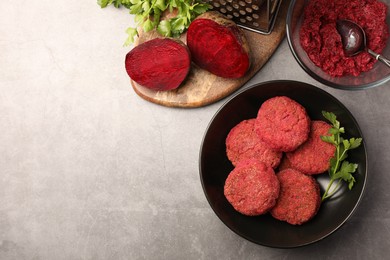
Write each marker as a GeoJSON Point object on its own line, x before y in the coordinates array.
{"type": "Point", "coordinates": [218, 46]}
{"type": "Point", "coordinates": [159, 64]}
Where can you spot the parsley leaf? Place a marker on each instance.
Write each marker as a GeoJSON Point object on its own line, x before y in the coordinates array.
{"type": "Point", "coordinates": [340, 169]}
{"type": "Point", "coordinates": [132, 32]}
{"type": "Point", "coordinates": [148, 15]}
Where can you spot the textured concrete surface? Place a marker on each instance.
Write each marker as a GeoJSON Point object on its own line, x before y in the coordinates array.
{"type": "Point", "coordinates": [88, 170]}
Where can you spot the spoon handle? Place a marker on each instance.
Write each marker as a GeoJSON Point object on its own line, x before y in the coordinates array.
{"type": "Point", "coordinates": [379, 57]}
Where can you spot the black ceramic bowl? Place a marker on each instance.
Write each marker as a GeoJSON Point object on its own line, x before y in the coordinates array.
{"type": "Point", "coordinates": [215, 167]}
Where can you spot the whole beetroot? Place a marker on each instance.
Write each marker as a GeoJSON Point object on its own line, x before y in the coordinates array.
{"type": "Point", "coordinates": [159, 64]}
{"type": "Point", "coordinates": [218, 45]}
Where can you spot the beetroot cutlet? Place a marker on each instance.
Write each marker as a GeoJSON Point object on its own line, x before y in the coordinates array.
{"type": "Point", "coordinates": [252, 187]}
{"type": "Point", "coordinates": [299, 198]}
{"type": "Point", "coordinates": [282, 123]}
{"type": "Point", "coordinates": [314, 155]}
{"type": "Point", "coordinates": [243, 143]}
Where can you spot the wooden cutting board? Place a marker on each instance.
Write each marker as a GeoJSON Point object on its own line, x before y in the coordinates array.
{"type": "Point", "coordinates": [201, 87]}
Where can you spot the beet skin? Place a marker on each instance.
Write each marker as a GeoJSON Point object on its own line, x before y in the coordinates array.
{"type": "Point", "coordinates": [218, 45]}
{"type": "Point", "coordinates": [159, 64]}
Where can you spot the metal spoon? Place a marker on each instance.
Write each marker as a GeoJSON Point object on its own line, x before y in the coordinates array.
{"type": "Point", "coordinates": [354, 40]}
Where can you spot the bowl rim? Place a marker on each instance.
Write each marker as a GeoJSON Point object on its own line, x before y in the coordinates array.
{"type": "Point", "coordinates": [314, 75]}
{"type": "Point", "coordinates": [364, 170]}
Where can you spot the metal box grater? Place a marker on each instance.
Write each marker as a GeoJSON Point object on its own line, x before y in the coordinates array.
{"type": "Point", "coordinates": [255, 15]}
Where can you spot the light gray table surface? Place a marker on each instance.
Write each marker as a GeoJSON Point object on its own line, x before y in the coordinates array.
{"type": "Point", "coordinates": [89, 170]}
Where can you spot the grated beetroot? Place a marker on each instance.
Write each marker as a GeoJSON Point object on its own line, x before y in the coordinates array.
{"type": "Point", "coordinates": [322, 43]}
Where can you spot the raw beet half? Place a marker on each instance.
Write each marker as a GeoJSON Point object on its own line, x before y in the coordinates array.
{"type": "Point", "coordinates": [159, 64]}
{"type": "Point", "coordinates": [218, 45]}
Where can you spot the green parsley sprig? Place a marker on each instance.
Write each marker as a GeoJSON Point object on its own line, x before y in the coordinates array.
{"type": "Point", "coordinates": [148, 15]}
{"type": "Point", "coordinates": [340, 169]}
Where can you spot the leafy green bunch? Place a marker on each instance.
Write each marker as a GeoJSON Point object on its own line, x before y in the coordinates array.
{"type": "Point", "coordinates": [148, 15]}
{"type": "Point", "coordinates": [340, 169]}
